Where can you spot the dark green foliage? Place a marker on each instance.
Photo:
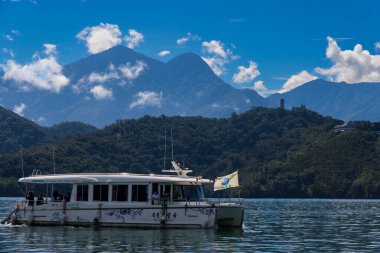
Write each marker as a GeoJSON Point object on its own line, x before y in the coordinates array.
{"type": "Point", "coordinates": [16, 131]}
{"type": "Point", "coordinates": [10, 188]}
{"type": "Point", "coordinates": [367, 126]}
{"type": "Point", "coordinates": [70, 128]}
{"type": "Point", "coordinates": [279, 153]}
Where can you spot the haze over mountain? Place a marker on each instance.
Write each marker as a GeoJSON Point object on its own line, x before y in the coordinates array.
{"type": "Point", "coordinates": [344, 101]}
{"type": "Point", "coordinates": [120, 83]}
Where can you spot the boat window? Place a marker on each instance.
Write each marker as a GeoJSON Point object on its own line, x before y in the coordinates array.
{"type": "Point", "coordinates": [100, 192]}
{"type": "Point", "coordinates": [139, 192]}
{"type": "Point", "coordinates": [193, 193]}
{"type": "Point", "coordinates": [178, 193]}
{"type": "Point", "coordinates": [82, 192]}
{"type": "Point", "coordinates": [201, 192]}
{"type": "Point", "coordinates": [165, 191]}
{"type": "Point", "coordinates": [119, 192]}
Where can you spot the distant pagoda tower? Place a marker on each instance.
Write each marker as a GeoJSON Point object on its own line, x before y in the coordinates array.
{"type": "Point", "coordinates": [282, 104]}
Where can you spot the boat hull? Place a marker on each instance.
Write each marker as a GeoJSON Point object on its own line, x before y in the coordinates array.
{"type": "Point", "coordinates": [230, 215]}
{"type": "Point", "coordinates": [55, 214]}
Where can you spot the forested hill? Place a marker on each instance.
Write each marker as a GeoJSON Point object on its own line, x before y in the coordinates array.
{"type": "Point", "coordinates": [70, 128]}
{"type": "Point", "coordinates": [17, 131]}
{"type": "Point", "coordinates": [279, 153]}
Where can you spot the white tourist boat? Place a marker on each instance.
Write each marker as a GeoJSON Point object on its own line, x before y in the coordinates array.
{"type": "Point", "coordinates": [124, 199]}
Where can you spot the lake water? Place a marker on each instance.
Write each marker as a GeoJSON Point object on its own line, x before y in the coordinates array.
{"type": "Point", "coordinates": [285, 225]}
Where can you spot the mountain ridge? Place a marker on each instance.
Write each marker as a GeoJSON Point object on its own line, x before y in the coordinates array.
{"type": "Point", "coordinates": [131, 85]}
{"type": "Point", "coordinates": [359, 101]}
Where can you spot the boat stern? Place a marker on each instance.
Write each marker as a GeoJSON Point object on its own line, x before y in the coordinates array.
{"type": "Point", "coordinates": [230, 215]}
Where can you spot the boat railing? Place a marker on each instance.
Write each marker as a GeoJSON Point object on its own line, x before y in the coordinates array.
{"type": "Point", "coordinates": [36, 173]}
{"type": "Point", "coordinates": [225, 201]}
{"type": "Point", "coordinates": [198, 202]}
{"type": "Point", "coordinates": [21, 204]}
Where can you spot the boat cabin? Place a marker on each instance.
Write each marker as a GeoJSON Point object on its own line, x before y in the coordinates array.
{"type": "Point", "coordinates": [124, 187]}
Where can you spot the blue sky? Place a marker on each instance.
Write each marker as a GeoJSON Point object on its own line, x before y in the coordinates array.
{"type": "Point", "coordinates": [280, 38]}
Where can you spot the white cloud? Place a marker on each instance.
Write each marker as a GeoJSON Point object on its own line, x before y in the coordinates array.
{"type": "Point", "coordinates": [297, 80]}
{"type": "Point", "coordinates": [127, 71]}
{"type": "Point", "coordinates": [146, 98]}
{"type": "Point", "coordinates": [216, 64]}
{"type": "Point", "coordinates": [188, 37]}
{"type": "Point", "coordinates": [182, 40]}
{"type": "Point", "coordinates": [19, 109]}
{"type": "Point", "coordinates": [225, 106]}
{"type": "Point", "coordinates": [351, 66]}
{"type": "Point", "coordinates": [215, 47]}
{"type": "Point", "coordinates": [215, 105]}
{"type": "Point", "coordinates": [101, 37]}
{"type": "Point", "coordinates": [132, 71]}
{"type": "Point", "coordinates": [42, 73]}
{"type": "Point", "coordinates": [220, 55]}
{"type": "Point", "coordinates": [8, 37]}
{"type": "Point", "coordinates": [95, 77]}
{"type": "Point", "coordinates": [259, 86]}
{"type": "Point", "coordinates": [41, 119]}
{"type": "Point", "coordinates": [15, 32]}
{"type": "Point", "coordinates": [245, 75]}
{"type": "Point", "coordinates": [101, 93]}
{"type": "Point", "coordinates": [280, 78]}
{"type": "Point", "coordinates": [134, 38]}
{"type": "Point", "coordinates": [262, 90]}
{"type": "Point", "coordinates": [9, 51]}
{"type": "Point", "coordinates": [50, 49]}
{"type": "Point", "coordinates": [164, 53]}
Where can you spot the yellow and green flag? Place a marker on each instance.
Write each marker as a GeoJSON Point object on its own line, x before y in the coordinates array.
{"type": "Point", "coordinates": [226, 182]}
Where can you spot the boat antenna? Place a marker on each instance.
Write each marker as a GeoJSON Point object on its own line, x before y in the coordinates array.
{"type": "Point", "coordinates": [52, 185]}
{"type": "Point", "coordinates": [53, 160]}
{"type": "Point", "coordinates": [22, 162]}
{"type": "Point", "coordinates": [165, 151]}
{"type": "Point", "coordinates": [22, 168]}
{"type": "Point", "coordinates": [171, 140]}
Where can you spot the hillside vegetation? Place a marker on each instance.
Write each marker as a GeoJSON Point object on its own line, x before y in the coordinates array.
{"type": "Point", "coordinates": [279, 153]}
{"type": "Point", "coordinates": [17, 132]}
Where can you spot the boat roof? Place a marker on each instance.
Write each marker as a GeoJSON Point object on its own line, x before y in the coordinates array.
{"type": "Point", "coordinates": [96, 178]}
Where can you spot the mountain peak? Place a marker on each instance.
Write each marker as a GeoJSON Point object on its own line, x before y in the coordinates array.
{"type": "Point", "coordinates": [101, 61]}
{"type": "Point", "coordinates": [186, 57]}
{"type": "Point", "coordinates": [189, 63]}
{"type": "Point", "coordinates": [119, 49]}
{"type": "Point", "coordinates": [118, 54]}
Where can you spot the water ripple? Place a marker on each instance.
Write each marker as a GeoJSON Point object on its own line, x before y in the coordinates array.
{"type": "Point", "coordinates": [270, 225]}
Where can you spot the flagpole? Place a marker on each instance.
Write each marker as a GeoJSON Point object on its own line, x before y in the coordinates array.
{"type": "Point", "coordinates": [238, 183]}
